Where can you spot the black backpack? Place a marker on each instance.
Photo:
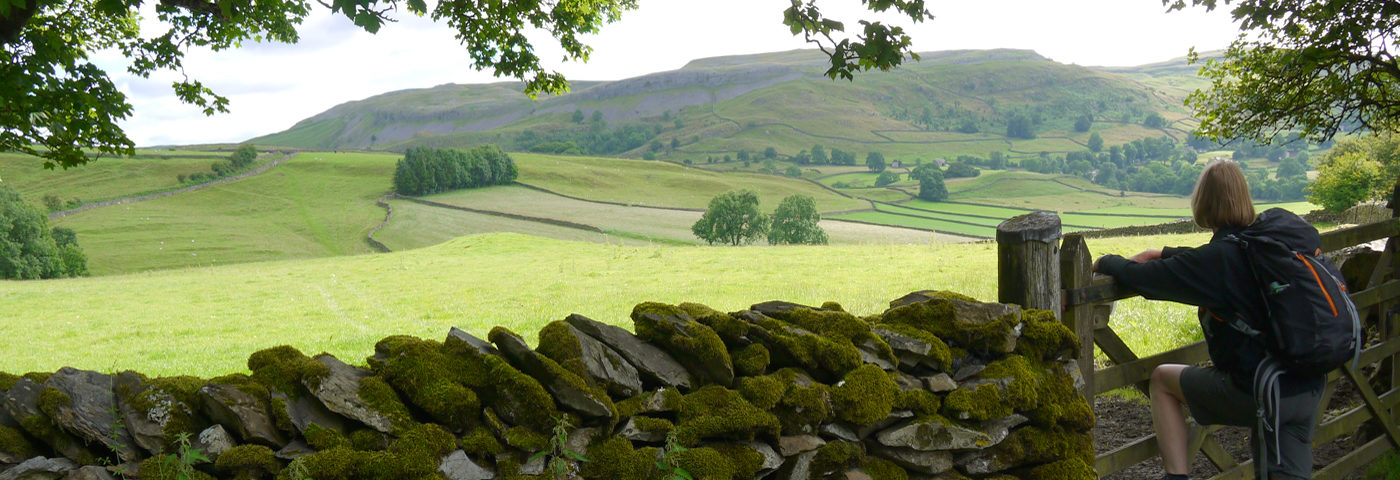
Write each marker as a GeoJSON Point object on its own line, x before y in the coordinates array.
{"type": "Point", "coordinates": [1312, 326]}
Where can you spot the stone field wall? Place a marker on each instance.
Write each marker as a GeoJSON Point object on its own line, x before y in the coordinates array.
{"type": "Point", "coordinates": [939, 386]}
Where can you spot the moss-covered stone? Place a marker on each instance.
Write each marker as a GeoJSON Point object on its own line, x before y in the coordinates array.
{"type": "Point", "coordinates": [1043, 337]}
{"type": "Point", "coordinates": [1061, 470]}
{"type": "Point", "coordinates": [751, 360]}
{"type": "Point", "coordinates": [829, 305]}
{"type": "Point", "coordinates": [428, 378]}
{"type": "Point", "coordinates": [653, 425]}
{"type": "Point", "coordinates": [745, 460]}
{"type": "Point", "coordinates": [324, 438]}
{"type": "Point", "coordinates": [517, 397]}
{"type": "Point", "coordinates": [718, 413]}
{"type": "Point", "coordinates": [706, 463]}
{"type": "Point", "coordinates": [381, 397]}
{"type": "Point", "coordinates": [939, 353]}
{"type": "Point", "coordinates": [865, 396]}
{"type": "Point", "coordinates": [1008, 385]}
{"type": "Point", "coordinates": [803, 406]}
{"type": "Point", "coordinates": [979, 332]}
{"type": "Point", "coordinates": [921, 402]}
{"type": "Point", "coordinates": [173, 399]}
{"type": "Point", "coordinates": [156, 468]}
{"type": "Point", "coordinates": [7, 380]}
{"type": "Point", "coordinates": [525, 439]}
{"type": "Point", "coordinates": [879, 468]}
{"type": "Point", "coordinates": [561, 346]}
{"type": "Point", "coordinates": [981, 403]}
{"type": "Point", "coordinates": [826, 358]}
{"type": "Point", "coordinates": [1033, 445]}
{"type": "Point", "coordinates": [16, 444]}
{"type": "Point", "coordinates": [570, 391]}
{"type": "Point", "coordinates": [1022, 391]}
{"type": "Point", "coordinates": [51, 399]}
{"type": "Point", "coordinates": [615, 458]}
{"type": "Point", "coordinates": [37, 377]}
{"type": "Point", "coordinates": [283, 368]}
{"type": "Point", "coordinates": [763, 392]}
{"type": "Point", "coordinates": [732, 331]}
{"type": "Point", "coordinates": [368, 439]}
{"type": "Point", "coordinates": [1060, 404]}
{"type": "Point", "coordinates": [248, 462]}
{"type": "Point", "coordinates": [480, 442]}
{"type": "Point", "coordinates": [836, 456]}
{"type": "Point", "coordinates": [693, 344]}
{"type": "Point", "coordinates": [415, 455]}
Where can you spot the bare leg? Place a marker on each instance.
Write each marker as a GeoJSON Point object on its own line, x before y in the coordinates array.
{"type": "Point", "coordinates": [1167, 418]}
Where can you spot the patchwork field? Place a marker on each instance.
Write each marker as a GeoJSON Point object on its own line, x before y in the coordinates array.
{"type": "Point", "coordinates": [104, 178]}
{"type": "Point", "coordinates": [206, 321]}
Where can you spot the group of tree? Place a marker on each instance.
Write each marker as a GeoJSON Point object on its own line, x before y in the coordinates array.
{"type": "Point", "coordinates": [961, 170]}
{"type": "Point", "coordinates": [931, 186]}
{"type": "Point", "coordinates": [817, 156]}
{"type": "Point", "coordinates": [596, 140]}
{"type": "Point", "coordinates": [425, 171]}
{"type": "Point", "coordinates": [1357, 170]}
{"type": "Point", "coordinates": [240, 160]}
{"type": "Point", "coordinates": [29, 249]}
{"type": "Point", "coordinates": [735, 218]}
{"type": "Point", "coordinates": [1020, 126]}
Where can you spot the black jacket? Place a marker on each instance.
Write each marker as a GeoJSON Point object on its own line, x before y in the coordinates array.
{"type": "Point", "coordinates": [1216, 277]}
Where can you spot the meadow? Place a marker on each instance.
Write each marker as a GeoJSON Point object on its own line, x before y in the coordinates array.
{"type": "Point", "coordinates": [207, 320]}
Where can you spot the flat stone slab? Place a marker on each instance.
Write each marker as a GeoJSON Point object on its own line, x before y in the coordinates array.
{"type": "Point", "coordinates": [458, 466]}
{"type": "Point", "coordinates": [92, 413]}
{"type": "Point", "coordinates": [22, 402]}
{"type": "Point", "coordinates": [654, 366]}
{"type": "Point", "coordinates": [246, 415]}
{"type": "Point", "coordinates": [40, 468]}
{"type": "Point", "coordinates": [481, 346]}
{"type": "Point", "coordinates": [339, 391]}
{"type": "Point", "coordinates": [565, 392]}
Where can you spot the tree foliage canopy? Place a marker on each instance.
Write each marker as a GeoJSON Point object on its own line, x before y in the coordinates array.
{"type": "Point", "coordinates": [28, 249]}
{"type": "Point", "coordinates": [796, 221]}
{"type": "Point", "coordinates": [1315, 66]}
{"type": "Point", "coordinates": [931, 186]}
{"type": "Point", "coordinates": [1356, 170]}
{"type": "Point", "coordinates": [425, 171]}
{"type": "Point", "coordinates": [733, 218]}
{"type": "Point", "coordinates": [55, 103]}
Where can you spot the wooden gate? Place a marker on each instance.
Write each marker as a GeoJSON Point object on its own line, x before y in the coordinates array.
{"type": "Point", "coordinates": [1029, 271]}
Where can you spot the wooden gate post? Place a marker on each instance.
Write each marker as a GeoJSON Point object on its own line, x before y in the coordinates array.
{"type": "Point", "coordinates": [1076, 271]}
{"type": "Point", "coordinates": [1028, 261]}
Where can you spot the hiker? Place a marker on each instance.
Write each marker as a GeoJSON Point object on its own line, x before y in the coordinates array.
{"type": "Point", "coordinates": [1220, 279]}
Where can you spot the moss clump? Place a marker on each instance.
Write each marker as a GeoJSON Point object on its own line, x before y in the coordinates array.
{"type": "Point", "coordinates": [731, 330]}
{"type": "Point", "coordinates": [1072, 468]}
{"type": "Point", "coordinates": [479, 442]}
{"type": "Point", "coordinates": [939, 316]}
{"type": "Point", "coordinates": [1034, 445]}
{"type": "Point", "coordinates": [244, 384]}
{"type": "Point", "coordinates": [763, 392]}
{"type": "Point", "coordinates": [835, 457]}
{"type": "Point", "coordinates": [1043, 337]}
{"type": "Point", "coordinates": [321, 438]}
{"type": "Point", "coordinates": [155, 468]}
{"type": "Point", "coordinates": [939, 352]}
{"type": "Point", "coordinates": [652, 425]}
{"type": "Point", "coordinates": [695, 345]}
{"type": "Point", "coordinates": [37, 377]}
{"type": "Point", "coordinates": [368, 439]}
{"type": "Point", "coordinates": [706, 463]}
{"type": "Point", "coordinates": [982, 403]}
{"type": "Point", "coordinates": [745, 460]}
{"type": "Point", "coordinates": [832, 306]}
{"type": "Point", "coordinates": [615, 458]}
{"type": "Point", "coordinates": [427, 378]}
{"type": "Point", "coordinates": [883, 469]}
{"type": "Point", "coordinates": [1025, 380]}
{"type": "Point", "coordinates": [718, 413]}
{"type": "Point", "coordinates": [248, 462]}
{"type": "Point", "coordinates": [517, 396]}
{"type": "Point", "coordinates": [16, 443]}
{"type": "Point", "coordinates": [42, 428]}
{"type": "Point", "coordinates": [800, 409]}
{"type": "Point", "coordinates": [414, 455]}
{"type": "Point", "coordinates": [525, 439]}
{"type": "Point", "coordinates": [560, 345]}
{"type": "Point", "coordinates": [8, 380]}
{"type": "Point", "coordinates": [921, 402]}
{"type": "Point", "coordinates": [283, 368]}
{"type": "Point", "coordinates": [51, 399]}
{"type": "Point", "coordinates": [381, 397]}
{"type": "Point", "coordinates": [865, 396]}
{"type": "Point", "coordinates": [751, 360]}
{"type": "Point", "coordinates": [826, 358]}
{"type": "Point", "coordinates": [670, 401]}
{"type": "Point", "coordinates": [171, 398]}
{"type": "Point", "coordinates": [1060, 404]}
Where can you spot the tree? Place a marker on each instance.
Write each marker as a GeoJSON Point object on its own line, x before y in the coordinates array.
{"type": "Point", "coordinates": [58, 103]}
{"type": "Point", "coordinates": [996, 160]}
{"type": "Point", "coordinates": [1290, 168]}
{"type": "Point", "coordinates": [819, 155]}
{"type": "Point", "coordinates": [796, 221]}
{"type": "Point", "coordinates": [1020, 127]}
{"type": "Point", "coordinates": [1350, 177]}
{"type": "Point", "coordinates": [962, 170]}
{"type": "Point", "coordinates": [886, 177]}
{"type": "Point", "coordinates": [1095, 142]}
{"type": "Point", "coordinates": [875, 161]}
{"type": "Point", "coordinates": [27, 247]}
{"type": "Point", "coordinates": [577, 117]}
{"type": "Point", "coordinates": [931, 186]}
{"type": "Point", "coordinates": [793, 171]}
{"type": "Point", "coordinates": [1083, 123]}
{"type": "Point", "coordinates": [770, 152]}
{"type": "Point", "coordinates": [243, 156]}
{"type": "Point", "coordinates": [1154, 120]}
{"type": "Point", "coordinates": [732, 217]}
{"type": "Point", "coordinates": [675, 143]}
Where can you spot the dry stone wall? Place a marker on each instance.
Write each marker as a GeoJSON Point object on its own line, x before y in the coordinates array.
{"type": "Point", "coordinates": [939, 386]}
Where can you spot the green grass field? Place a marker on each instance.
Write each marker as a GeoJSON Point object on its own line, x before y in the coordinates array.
{"type": "Point", "coordinates": [314, 205]}
{"type": "Point", "coordinates": [662, 184]}
{"type": "Point", "coordinates": [886, 218]}
{"type": "Point", "coordinates": [101, 179]}
{"type": "Point", "coordinates": [206, 321]}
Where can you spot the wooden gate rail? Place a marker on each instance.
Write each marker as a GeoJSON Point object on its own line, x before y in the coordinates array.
{"type": "Point", "coordinates": [1025, 261]}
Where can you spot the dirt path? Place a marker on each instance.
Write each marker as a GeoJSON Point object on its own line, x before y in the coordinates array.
{"type": "Point", "coordinates": [124, 200]}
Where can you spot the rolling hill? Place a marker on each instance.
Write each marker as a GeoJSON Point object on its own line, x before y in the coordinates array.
{"type": "Point", "coordinates": [949, 103]}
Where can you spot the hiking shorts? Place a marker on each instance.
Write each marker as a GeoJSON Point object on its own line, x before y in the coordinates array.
{"type": "Point", "coordinates": [1214, 400]}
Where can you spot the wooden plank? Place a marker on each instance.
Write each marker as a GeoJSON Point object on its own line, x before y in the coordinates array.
{"type": "Point", "coordinates": [1377, 409]}
{"type": "Point", "coordinates": [1243, 471]}
{"type": "Point", "coordinates": [1352, 461]}
{"type": "Point", "coordinates": [1377, 352]}
{"type": "Point", "coordinates": [1119, 353]}
{"type": "Point", "coordinates": [1376, 294]}
{"type": "Point", "coordinates": [1101, 289]}
{"type": "Point", "coordinates": [1347, 423]}
{"type": "Point", "coordinates": [1075, 270]}
{"type": "Point", "coordinates": [1346, 237]}
{"type": "Point", "coordinates": [1329, 388]}
{"type": "Point", "coordinates": [1121, 458]}
{"type": "Point", "coordinates": [1203, 440]}
{"type": "Point", "coordinates": [1139, 370]}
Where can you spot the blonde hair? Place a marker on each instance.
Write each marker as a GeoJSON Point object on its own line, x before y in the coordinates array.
{"type": "Point", "coordinates": [1221, 197]}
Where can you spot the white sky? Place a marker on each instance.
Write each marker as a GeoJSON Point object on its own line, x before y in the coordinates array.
{"type": "Point", "coordinates": [272, 86]}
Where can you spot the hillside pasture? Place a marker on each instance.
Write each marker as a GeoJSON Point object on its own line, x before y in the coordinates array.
{"type": "Point", "coordinates": [416, 226]}
{"type": "Point", "coordinates": [661, 184]}
{"type": "Point", "coordinates": [314, 205]}
{"type": "Point", "coordinates": [206, 321]}
{"type": "Point", "coordinates": [104, 178]}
